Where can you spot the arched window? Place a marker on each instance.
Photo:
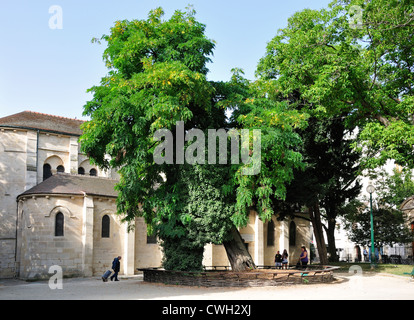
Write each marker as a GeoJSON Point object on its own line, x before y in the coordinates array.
{"type": "Point", "coordinates": [59, 224]}
{"type": "Point", "coordinates": [92, 172]}
{"type": "Point", "coordinates": [105, 226]}
{"type": "Point", "coordinates": [81, 170]}
{"type": "Point", "coordinates": [292, 234]}
{"type": "Point", "coordinates": [47, 171]}
{"type": "Point", "coordinates": [271, 233]}
{"type": "Point", "coordinates": [60, 169]}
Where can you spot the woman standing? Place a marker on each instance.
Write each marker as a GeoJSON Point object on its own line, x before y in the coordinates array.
{"type": "Point", "coordinates": [304, 257]}
{"type": "Point", "coordinates": [285, 259]}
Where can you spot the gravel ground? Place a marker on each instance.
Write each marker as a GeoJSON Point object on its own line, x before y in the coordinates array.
{"type": "Point", "coordinates": [346, 287]}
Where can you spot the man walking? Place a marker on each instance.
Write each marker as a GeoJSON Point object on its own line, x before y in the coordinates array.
{"type": "Point", "coordinates": [116, 265]}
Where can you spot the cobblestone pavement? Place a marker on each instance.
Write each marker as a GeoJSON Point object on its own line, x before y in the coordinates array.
{"type": "Point", "coordinates": [346, 287]}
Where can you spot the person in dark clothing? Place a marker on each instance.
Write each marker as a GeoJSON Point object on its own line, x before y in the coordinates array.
{"type": "Point", "coordinates": [304, 257]}
{"type": "Point", "coordinates": [116, 265]}
{"type": "Point", "coordinates": [278, 260]}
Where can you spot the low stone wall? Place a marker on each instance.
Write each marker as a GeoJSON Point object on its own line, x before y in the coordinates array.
{"type": "Point", "coordinates": [253, 278]}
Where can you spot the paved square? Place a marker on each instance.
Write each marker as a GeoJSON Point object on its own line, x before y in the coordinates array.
{"type": "Point", "coordinates": [355, 287]}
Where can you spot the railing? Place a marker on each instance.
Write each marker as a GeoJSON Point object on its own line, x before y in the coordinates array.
{"type": "Point", "coordinates": [396, 259]}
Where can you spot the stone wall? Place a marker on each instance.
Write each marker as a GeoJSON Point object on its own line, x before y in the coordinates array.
{"type": "Point", "coordinates": [255, 237]}
{"type": "Point", "coordinates": [106, 249]}
{"type": "Point", "coordinates": [38, 247]}
{"type": "Point", "coordinates": [146, 254]}
{"type": "Point", "coordinates": [81, 251]}
{"type": "Point", "coordinates": [15, 171]}
{"type": "Point", "coordinates": [22, 156]}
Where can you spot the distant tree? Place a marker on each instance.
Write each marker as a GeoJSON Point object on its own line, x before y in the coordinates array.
{"type": "Point", "coordinates": [393, 189]}
{"type": "Point", "coordinates": [390, 223]}
{"type": "Point", "coordinates": [390, 227]}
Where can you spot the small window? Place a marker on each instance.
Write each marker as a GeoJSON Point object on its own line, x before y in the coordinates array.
{"type": "Point", "coordinates": [92, 172]}
{"type": "Point", "coordinates": [60, 169]}
{"type": "Point", "coordinates": [59, 224]}
{"type": "Point", "coordinates": [270, 233]}
{"type": "Point", "coordinates": [292, 234]}
{"type": "Point", "coordinates": [81, 170]}
{"type": "Point", "coordinates": [47, 171]}
{"type": "Point", "coordinates": [105, 226]}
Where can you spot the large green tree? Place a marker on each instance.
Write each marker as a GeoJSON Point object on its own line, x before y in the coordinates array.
{"type": "Point", "coordinates": [328, 181]}
{"type": "Point", "coordinates": [335, 168]}
{"type": "Point", "coordinates": [156, 78]}
{"type": "Point", "coordinates": [352, 60]}
{"type": "Point", "coordinates": [332, 66]}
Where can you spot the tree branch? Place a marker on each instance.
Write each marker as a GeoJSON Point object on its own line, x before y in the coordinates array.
{"type": "Point", "coordinates": [382, 119]}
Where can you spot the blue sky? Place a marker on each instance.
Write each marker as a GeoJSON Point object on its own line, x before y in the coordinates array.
{"type": "Point", "coordinates": [49, 70]}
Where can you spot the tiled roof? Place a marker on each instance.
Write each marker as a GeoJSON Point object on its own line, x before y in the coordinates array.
{"type": "Point", "coordinates": [43, 122]}
{"type": "Point", "coordinates": [68, 184]}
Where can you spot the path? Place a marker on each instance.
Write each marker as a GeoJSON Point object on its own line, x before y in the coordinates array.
{"type": "Point", "coordinates": [356, 287]}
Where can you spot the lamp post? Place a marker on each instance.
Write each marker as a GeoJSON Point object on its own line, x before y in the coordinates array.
{"type": "Point", "coordinates": [370, 190]}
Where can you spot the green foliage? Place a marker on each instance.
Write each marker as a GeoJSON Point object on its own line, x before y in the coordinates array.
{"type": "Point", "coordinates": [329, 68]}
{"type": "Point", "coordinates": [157, 76]}
{"type": "Point", "coordinates": [331, 169]}
{"type": "Point", "coordinates": [181, 38]}
{"type": "Point", "coordinates": [278, 123]}
{"type": "Point", "coordinates": [393, 189]}
{"type": "Point", "coordinates": [318, 67]}
{"type": "Point", "coordinates": [390, 227]}
{"type": "Point", "coordinates": [390, 223]}
{"type": "Point", "coordinates": [331, 65]}
{"type": "Point", "coordinates": [181, 255]}
{"type": "Point", "coordinates": [208, 211]}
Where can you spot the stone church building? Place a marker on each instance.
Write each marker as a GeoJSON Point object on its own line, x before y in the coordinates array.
{"type": "Point", "coordinates": [56, 208]}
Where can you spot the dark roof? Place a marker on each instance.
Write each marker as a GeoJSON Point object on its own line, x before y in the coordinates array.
{"type": "Point", "coordinates": [43, 122]}
{"type": "Point", "coordinates": [68, 184]}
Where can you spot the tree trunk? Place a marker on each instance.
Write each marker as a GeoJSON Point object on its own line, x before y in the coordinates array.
{"type": "Point", "coordinates": [240, 259]}
{"type": "Point", "coordinates": [330, 234]}
{"type": "Point", "coordinates": [315, 217]}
